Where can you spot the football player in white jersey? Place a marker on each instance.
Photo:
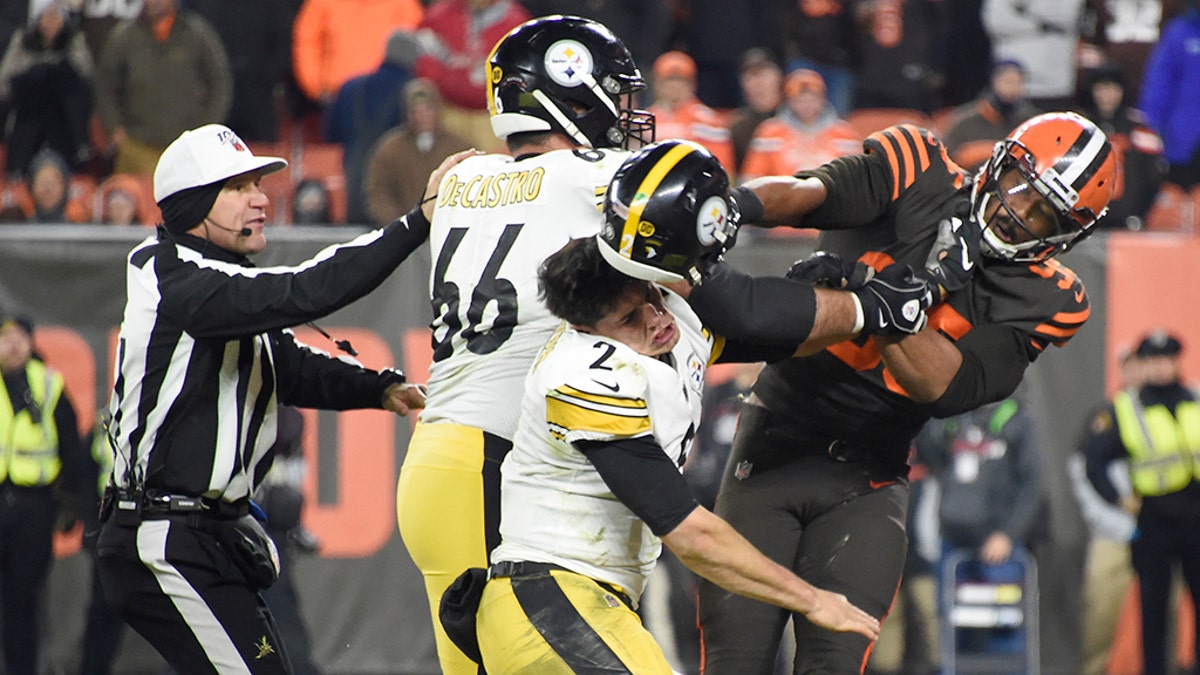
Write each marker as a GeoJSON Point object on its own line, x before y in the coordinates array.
{"type": "Point", "coordinates": [560, 93]}
{"type": "Point", "coordinates": [592, 487]}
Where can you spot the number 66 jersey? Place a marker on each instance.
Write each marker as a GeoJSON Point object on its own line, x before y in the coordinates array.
{"type": "Point", "coordinates": [497, 219]}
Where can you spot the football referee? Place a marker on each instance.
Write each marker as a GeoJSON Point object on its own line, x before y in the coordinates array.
{"type": "Point", "coordinates": [205, 357]}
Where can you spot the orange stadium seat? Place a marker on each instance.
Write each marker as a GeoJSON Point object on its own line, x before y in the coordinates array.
{"type": "Point", "coordinates": [148, 212]}
{"type": "Point", "coordinates": [867, 121]}
{"type": "Point", "coordinates": [942, 118]}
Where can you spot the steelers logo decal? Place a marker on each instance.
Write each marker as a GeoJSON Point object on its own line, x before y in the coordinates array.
{"type": "Point", "coordinates": [710, 219]}
{"type": "Point", "coordinates": [567, 61]}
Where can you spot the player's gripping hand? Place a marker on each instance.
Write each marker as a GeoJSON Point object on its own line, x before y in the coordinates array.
{"type": "Point", "coordinates": [833, 612]}
{"type": "Point", "coordinates": [403, 398]}
{"type": "Point", "coordinates": [894, 301]}
{"type": "Point", "coordinates": [829, 270]}
{"type": "Point", "coordinates": [954, 257]}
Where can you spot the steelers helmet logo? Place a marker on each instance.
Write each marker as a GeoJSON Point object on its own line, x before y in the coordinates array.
{"type": "Point", "coordinates": [710, 220]}
{"type": "Point", "coordinates": [567, 61]}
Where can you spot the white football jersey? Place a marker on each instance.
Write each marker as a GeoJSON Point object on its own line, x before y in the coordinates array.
{"type": "Point", "coordinates": [497, 219]}
{"type": "Point", "coordinates": [555, 507]}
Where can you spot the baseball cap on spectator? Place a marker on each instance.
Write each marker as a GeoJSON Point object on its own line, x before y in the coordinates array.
{"type": "Point", "coordinates": [803, 80]}
{"type": "Point", "coordinates": [1158, 343]}
{"type": "Point", "coordinates": [755, 58]}
{"type": "Point", "coordinates": [675, 64]}
{"type": "Point", "coordinates": [193, 169]}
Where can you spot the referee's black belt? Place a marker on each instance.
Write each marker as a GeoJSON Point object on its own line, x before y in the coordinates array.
{"type": "Point", "coordinates": [524, 568]}
{"type": "Point", "coordinates": [174, 505]}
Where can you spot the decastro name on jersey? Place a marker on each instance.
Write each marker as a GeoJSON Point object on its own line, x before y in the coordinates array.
{"type": "Point", "coordinates": [492, 190]}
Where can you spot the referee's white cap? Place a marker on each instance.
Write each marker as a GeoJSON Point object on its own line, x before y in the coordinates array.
{"type": "Point", "coordinates": [205, 155]}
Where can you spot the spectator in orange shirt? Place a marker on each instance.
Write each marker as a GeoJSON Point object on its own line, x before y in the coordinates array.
{"type": "Point", "coordinates": [679, 114]}
{"type": "Point", "coordinates": [335, 40]}
{"type": "Point", "coordinates": [805, 134]}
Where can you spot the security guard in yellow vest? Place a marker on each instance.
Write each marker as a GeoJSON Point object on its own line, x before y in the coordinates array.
{"type": "Point", "coordinates": [1154, 432]}
{"type": "Point", "coordinates": [41, 459]}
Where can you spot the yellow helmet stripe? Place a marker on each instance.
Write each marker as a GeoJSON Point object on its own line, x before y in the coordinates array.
{"type": "Point", "coordinates": [649, 184]}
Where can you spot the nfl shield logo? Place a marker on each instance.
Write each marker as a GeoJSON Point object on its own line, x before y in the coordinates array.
{"type": "Point", "coordinates": [742, 470]}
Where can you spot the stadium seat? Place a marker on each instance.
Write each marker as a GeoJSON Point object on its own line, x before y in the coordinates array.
{"type": "Point", "coordinates": [148, 212]}
{"type": "Point", "coordinates": [323, 162]}
{"type": "Point", "coordinates": [867, 121]}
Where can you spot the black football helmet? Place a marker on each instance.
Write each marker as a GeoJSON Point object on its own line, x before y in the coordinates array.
{"type": "Point", "coordinates": [667, 211]}
{"type": "Point", "coordinates": [571, 75]}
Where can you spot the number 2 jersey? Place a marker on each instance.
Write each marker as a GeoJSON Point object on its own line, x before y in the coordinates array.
{"type": "Point", "coordinates": [497, 219]}
{"type": "Point", "coordinates": [884, 205]}
{"type": "Point", "coordinates": [555, 507]}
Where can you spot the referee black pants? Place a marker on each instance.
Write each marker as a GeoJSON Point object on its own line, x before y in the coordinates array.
{"type": "Point", "coordinates": [174, 584]}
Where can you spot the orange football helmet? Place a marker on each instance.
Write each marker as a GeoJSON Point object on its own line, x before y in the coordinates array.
{"type": "Point", "coordinates": [1071, 168]}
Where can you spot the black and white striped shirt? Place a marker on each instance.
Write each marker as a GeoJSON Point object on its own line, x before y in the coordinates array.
{"type": "Point", "coordinates": [205, 357]}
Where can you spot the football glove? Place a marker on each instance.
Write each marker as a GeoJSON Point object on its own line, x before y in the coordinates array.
{"type": "Point", "coordinates": [826, 269]}
{"type": "Point", "coordinates": [955, 256]}
{"type": "Point", "coordinates": [894, 301]}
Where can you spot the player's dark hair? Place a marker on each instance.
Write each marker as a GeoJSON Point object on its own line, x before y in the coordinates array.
{"type": "Point", "coordinates": [579, 286]}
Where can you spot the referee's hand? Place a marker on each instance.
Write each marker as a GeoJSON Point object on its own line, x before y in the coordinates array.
{"type": "Point", "coordinates": [403, 398]}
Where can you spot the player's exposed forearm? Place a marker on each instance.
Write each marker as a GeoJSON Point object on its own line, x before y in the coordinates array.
{"type": "Point", "coordinates": [786, 199]}
{"type": "Point", "coordinates": [833, 322]}
{"type": "Point", "coordinates": [710, 547]}
{"type": "Point", "coordinates": [924, 364]}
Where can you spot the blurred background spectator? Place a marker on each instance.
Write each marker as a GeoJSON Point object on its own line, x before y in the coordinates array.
{"type": "Point", "coordinates": [1126, 31]}
{"type": "Point", "coordinates": [900, 48]}
{"type": "Point", "coordinates": [679, 114]}
{"type": "Point", "coordinates": [99, 17]}
{"type": "Point", "coordinates": [1151, 435]}
{"type": "Point", "coordinates": [820, 35]}
{"type": "Point", "coordinates": [45, 80]}
{"type": "Point", "coordinates": [335, 40]}
{"type": "Point", "coordinates": [257, 37]}
{"type": "Point", "coordinates": [159, 75]}
{"type": "Point", "coordinates": [46, 195]}
{"type": "Point", "coordinates": [1107, 570]}
{"type": "Point", "coordinates": [1169, 99]}
{"type": "Point", "coordinates": [967, 58]}
{"type": "Point", "coordinates": [42, 483]}
{"type": "Point", "coordinates": [126, 199]}
{"type": "Point", "coordinates": [461, 34]}
{"type": "Point", "coordinates": [975, 127]}
{"type": "Point", "coordinates": [985, 462]}
{"type": "Point", "coordinates": [1042, 36]}
{"type": "Point", "coordinates": [805, 134]}
{"type": "Point", "coordinates": [400, 163]}
{"type": "Point", "coordinates": [715, 33]}
{"type": "Point", "coordinates": [1139, 147]}
{"type": "Point", "coordinates": [762, 91]}
{"type": "Point", "coordinates": [364, 109]}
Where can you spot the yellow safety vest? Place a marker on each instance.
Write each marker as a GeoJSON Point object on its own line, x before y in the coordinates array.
{"type": "Point", "coordinates": [1164, 449]}
{"type": "Point", "coordinates": [29, 449]}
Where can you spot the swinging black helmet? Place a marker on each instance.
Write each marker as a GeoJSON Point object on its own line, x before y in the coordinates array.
{"type": "Point", "coordinates": [567, 74]}
{"type": "Point", "coordinates": [667, 210]}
